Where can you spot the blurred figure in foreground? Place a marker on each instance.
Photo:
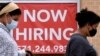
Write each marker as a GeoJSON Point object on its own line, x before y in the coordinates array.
{"type": "Point", "coordinates": [9, 17]}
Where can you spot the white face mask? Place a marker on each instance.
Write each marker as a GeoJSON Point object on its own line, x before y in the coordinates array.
{"type": "Point", "coordinates": [12, 25]}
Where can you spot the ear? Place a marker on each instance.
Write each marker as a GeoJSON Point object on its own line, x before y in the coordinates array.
{"type": "Point", "coordinates": [7, 14]}
{"type": "Point", "coordinates": [7, 18]}
{"type": "Point", "coordinates": [89, 27]}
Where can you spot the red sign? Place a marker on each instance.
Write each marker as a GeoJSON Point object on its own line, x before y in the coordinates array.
{"type": "Point", "coordinates": [45, 28]}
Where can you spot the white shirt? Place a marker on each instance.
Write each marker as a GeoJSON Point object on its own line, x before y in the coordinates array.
{"type": "Point", "coordinates": [8, 46]}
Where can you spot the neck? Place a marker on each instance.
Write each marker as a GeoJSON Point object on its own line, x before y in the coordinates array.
{"type": "Point", "coordinates": [82, 32]}
{"type": "Point", "coordinates": [2, 21]}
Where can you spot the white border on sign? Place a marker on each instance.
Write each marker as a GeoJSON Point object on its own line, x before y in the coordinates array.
{"type": "Point", "coordinates": [47, 1]}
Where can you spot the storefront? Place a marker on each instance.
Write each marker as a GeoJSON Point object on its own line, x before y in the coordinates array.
{"type": "Point", "coordinates": [45, 26]}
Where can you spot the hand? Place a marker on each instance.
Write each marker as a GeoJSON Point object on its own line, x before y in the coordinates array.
{"type": "Point", "coordinates": [28, 53]}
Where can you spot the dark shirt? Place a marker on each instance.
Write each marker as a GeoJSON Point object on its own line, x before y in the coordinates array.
{"type": "Point", "coordinates": [79, 46]}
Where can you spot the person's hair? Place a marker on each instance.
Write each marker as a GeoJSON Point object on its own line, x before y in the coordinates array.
{"type": "Point", "coordinates": [12, 13]}
{"type": "Point", "coordinates": [15, 12]}
{"type": "Point", "coordinates": [87, 17]}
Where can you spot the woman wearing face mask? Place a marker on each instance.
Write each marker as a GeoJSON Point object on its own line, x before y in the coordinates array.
{"type": "Point", "coordinates": [78, 45]}
{"type": "Point", "coordinates": [9, 16]}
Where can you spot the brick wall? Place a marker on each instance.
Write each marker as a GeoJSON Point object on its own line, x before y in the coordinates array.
{"type": "Point", "coordinates": [93, 5]}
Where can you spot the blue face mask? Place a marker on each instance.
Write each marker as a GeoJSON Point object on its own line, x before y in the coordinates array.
{"type": "Point", "coordinates": [12, 25]}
